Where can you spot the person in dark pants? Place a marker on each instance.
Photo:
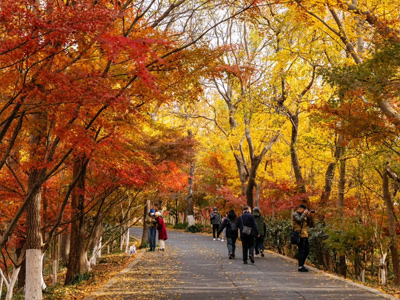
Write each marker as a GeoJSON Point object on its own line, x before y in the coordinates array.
{"type": "Point", "coordinates": [151, 229]}
{"type": "Point", "coordinates": [248, 232]}
{"type": "Point", "coordinates": [302, 220]}
{"type": "Point", "coordinates": [229, 224]}
{"type": "Point", "coordinates": [215, 219]}
{"type": "Point", "coordinates": [262, 228]}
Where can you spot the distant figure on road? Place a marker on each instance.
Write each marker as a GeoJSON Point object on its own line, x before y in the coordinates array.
{"type": "Point", "coordinates": [262, 228]}
{"type": "Point", "coordinates": [302, 219]}
{"type": "Point", "coordinates": [224, 230]}
{"type": "Point", "coordinates": [229, 224]}
{"type": "Point", "coordinates": [248, 232]}
{"type": "Point", "coordinates": [162, 231]}
{"type": "Point", "coordinates": [215, 219]}
{"type": "Point", "coordinates": [151, 223]}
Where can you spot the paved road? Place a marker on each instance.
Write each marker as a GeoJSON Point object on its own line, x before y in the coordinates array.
{"type": "Point", "coordinates": [194, 267]}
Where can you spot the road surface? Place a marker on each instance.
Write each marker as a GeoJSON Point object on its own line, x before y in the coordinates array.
{"type": "Point", "coordinates": [194, 267]}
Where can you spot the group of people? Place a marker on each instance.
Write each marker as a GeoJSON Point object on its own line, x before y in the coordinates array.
{"type": "Point", "coordinates": [155, 222]}
{"type": "Point", "coordinates": [252, 228]}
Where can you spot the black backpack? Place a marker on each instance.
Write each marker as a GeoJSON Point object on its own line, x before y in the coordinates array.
{"type": "Point", "coordinates": [232, 226]}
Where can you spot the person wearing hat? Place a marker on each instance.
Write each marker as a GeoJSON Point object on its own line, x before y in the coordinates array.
{"type": "Point", "coordinates": [215, 219]}
{"type": "Point", "coordinates": [262, 228]}
{"type": "Point", "coordinates": [151, 229]}
{"type": "Point", "coordinates": [302, 220]}
{"type": "Point", "coordinates": [162, 231]}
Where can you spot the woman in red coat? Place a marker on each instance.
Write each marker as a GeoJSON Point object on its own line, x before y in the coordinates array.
{"type": "Point", "coordinates": [162, 231]}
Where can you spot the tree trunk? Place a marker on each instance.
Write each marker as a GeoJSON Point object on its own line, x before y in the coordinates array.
{"type": "Point", "coordinates": [392, 228]}
{"type": "Point", "coordinates": [251, 184]}
{"type": "Point", "coordinates": [293, 155]}
{"type": "Point", "coordinates": [342, 186]}
{"type": "Point", "coordinates": [65, 243]}
{"type": "Point", "coordinates": [21, 273]}
{"type": "Point", "coordinates": [146, 210]}
{"type": "Point", "coordinates": [243, 176]}
{"type": "Point", "coordinates": [96, 244]}
{"type": "Point", "coordinates": [340, 206]}
{"type": "Point", "coordinates": [33, 288]}
{"type": "Point", "coordinates": [257, 199]}
{"type": "Point", "coordinates": [330, 172]}
{"type": "Point", "coordinates": [77, 263]}
{"type": "Point", "coordinates": [54, 254]}
{"type": "Point", "coordinates": [13, 280]}
{"type": "Point", "coordinates": [189, 205]}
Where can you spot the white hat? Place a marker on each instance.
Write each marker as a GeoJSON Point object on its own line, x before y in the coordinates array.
{"type": "Point", "coordinates": [158, 214]}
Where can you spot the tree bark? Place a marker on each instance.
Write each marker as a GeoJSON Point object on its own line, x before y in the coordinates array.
{"type": "Point", "coordinates": [294, 118]}
{"type": "Point", "coordinates": [251, 184]}
{"type": "Point", "coordinates": [33, 289]}
{"type": "Point", "coordinates": [255, 163]}
{"type": "Point", "coordinates": [342, 186]}
{"type": "Point", "coordinates": [330, 172]}
{"type": "Point", "coordinates": [77, 263]}
{"type": "Point", "coordinates": [392, 227]}
{"type": "Point", "coordinates": [65, 244]}
{"type": "Point", "coordinates": [146, 210]}
{"type": "Point", "coordinates": [21, 274]}
{"type": "Point", "coordinates": [189, 205]}
{"type": "Point", "coordinates": [54, 254]}
{"type": "Point", "coordinates": [342, 268]}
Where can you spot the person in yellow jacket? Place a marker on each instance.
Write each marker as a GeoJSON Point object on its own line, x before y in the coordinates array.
{"type": "Point", "coordinates": [302, 220]}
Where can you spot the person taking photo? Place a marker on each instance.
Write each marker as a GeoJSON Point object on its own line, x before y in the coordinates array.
{"type": "Point", "coordinates": [302, 220]}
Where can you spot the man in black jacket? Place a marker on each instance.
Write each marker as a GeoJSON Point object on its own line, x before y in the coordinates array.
{"type": "Point", "coordinates": [248, 232]}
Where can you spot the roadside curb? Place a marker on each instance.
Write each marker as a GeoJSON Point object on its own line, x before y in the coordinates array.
{"type": "Point", "coordinates": [367, 288]}
{"type": "Point", "coordinates": [113, 280]}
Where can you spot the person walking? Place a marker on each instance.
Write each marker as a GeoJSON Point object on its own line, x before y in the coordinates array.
{"type": "Point", "coordinates": [262, 228]}
{"type": "Point", "coordinates": [215, 219]}
{"type": "Point", "coordinates": [302, 220]}
{"type": "Point", "coordinates": [248, 232]}
{"type": "Point", "coordinates": [162, 231]}
{"type": "Point", "coordinates": [224, 230]}
{"type": "Point", "coordinates": [151, 223]}
{"type": "Point", "coordinates": [229, 225]}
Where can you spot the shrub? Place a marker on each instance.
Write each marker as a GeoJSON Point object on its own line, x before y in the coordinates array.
{"type": "Point", "coordinates": [181, 226]}
{"type": "Point", "coordinates": [195, 228]}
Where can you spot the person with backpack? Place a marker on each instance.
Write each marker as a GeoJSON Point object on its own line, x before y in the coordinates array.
{"type": "Point", "coordinates": [262, 227]}
{"type": "Point", "coordinates": [162, 231]}
{"type": "Point", "coordinates": [215, 219]}
{"type": "Point", "coordinates": [302, 220]}
{"type": "Point", "coordinates": [248, 232]}
{"type": "Point", "coordinates": [229, 224]}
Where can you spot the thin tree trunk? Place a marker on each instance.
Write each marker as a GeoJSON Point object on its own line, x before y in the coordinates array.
{"type": "Point", "coordinates": [189, 205]}
{"type": "Point", "coordinates": [146, 210]}
{"type": "Point", "coordinates": [251, 184]}
{"type": "Point", "coordinates": [33, 289]}
{"type": "Point", "coordinates": [330, 172]}
{"type": "Point", "coordinates": [392, 228]}
{"type": "Point", "coordinates": [257, 199]}
{"type": "Point", "coordinates": [340, 206]}
{"type": "Point", "coordinates": [77, 263]}
{"type": "Point", "coordinates": [65, 244]}
{"type": "Point", "coordinates": [21, 274]}
{"type": "Point", "coordinates": [13, 280]}
{"type": "Point", "coordinates": [56, 242]}
{"type": "Point", "coordinates": [294, 157]}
